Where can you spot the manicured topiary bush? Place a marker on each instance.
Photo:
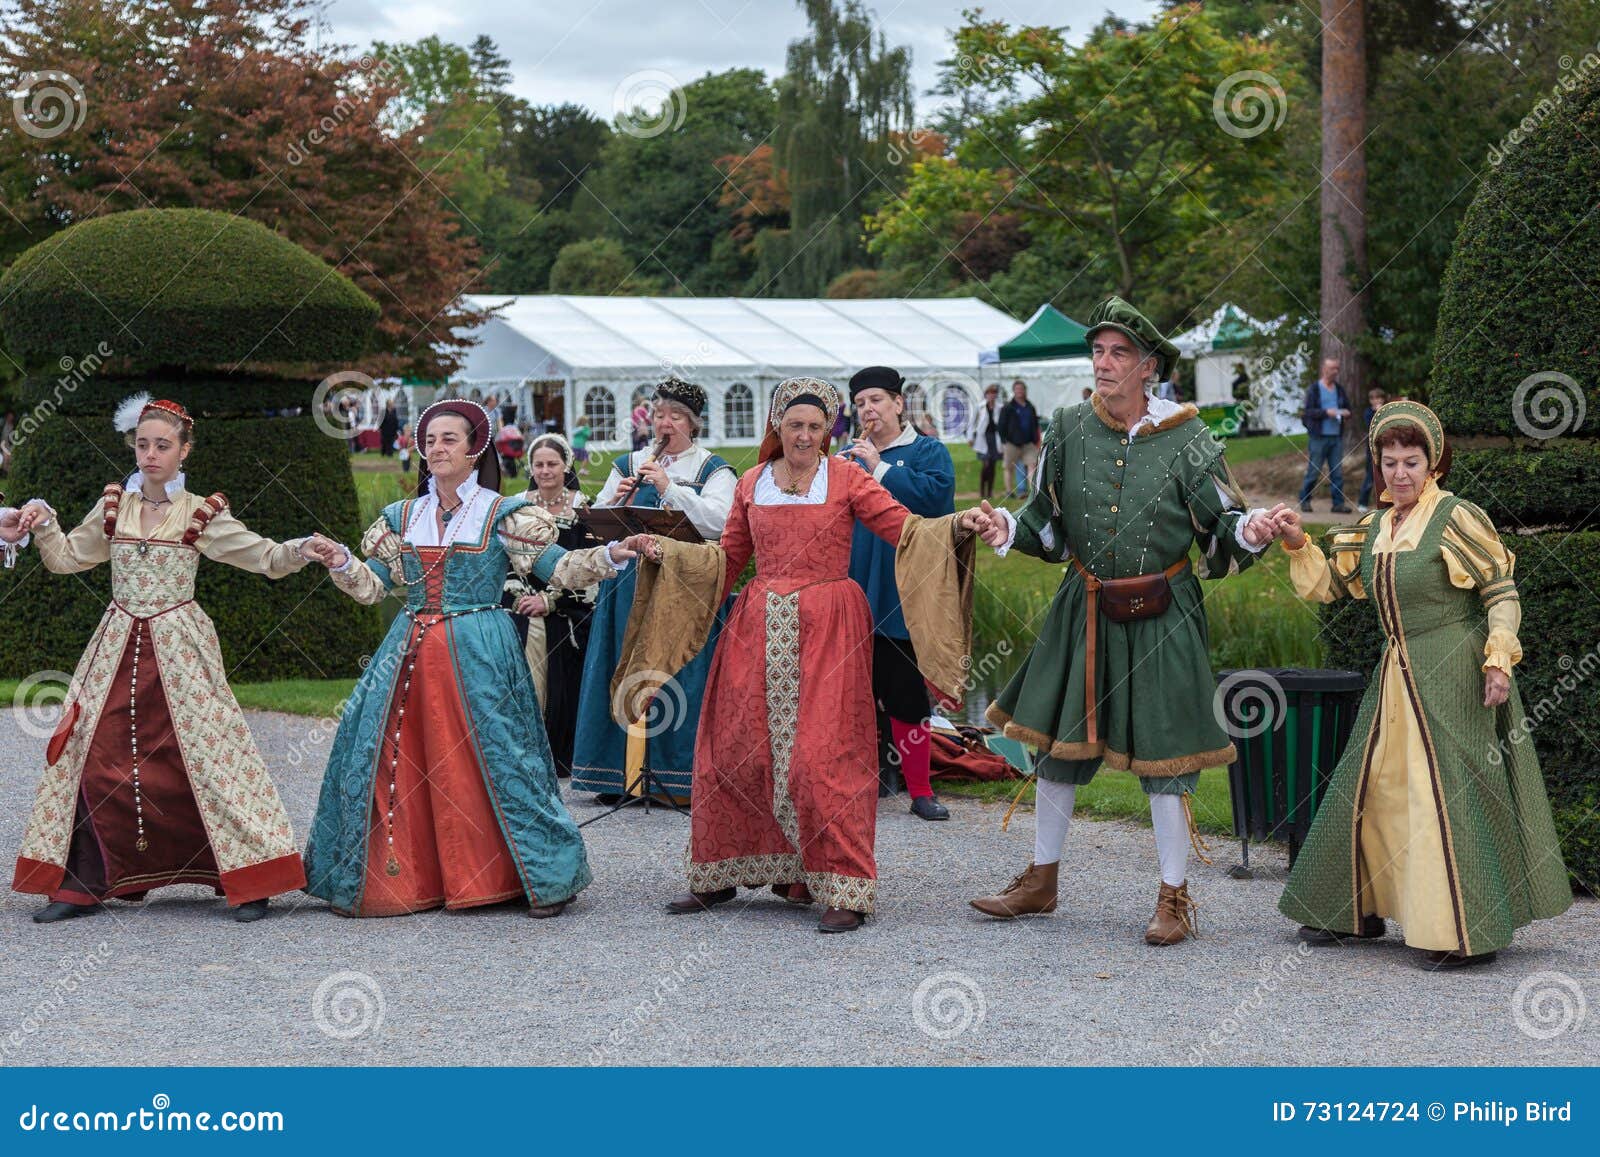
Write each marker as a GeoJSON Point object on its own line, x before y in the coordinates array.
{"type": "Point", "coordinates": [243, 296]}
{"type": "Point", "coordinates": [1517, 354]}
{"type": "Point", "coordinates": [180, 287]}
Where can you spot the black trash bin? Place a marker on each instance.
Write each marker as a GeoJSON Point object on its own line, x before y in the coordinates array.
{"type": "Point", "coordinates": [1290, 726]}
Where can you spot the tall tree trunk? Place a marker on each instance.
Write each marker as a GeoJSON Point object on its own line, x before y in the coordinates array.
{"type": "Point", "coordinates": [1344, 187]}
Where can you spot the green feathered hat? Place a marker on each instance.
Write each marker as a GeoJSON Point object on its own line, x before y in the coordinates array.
{"type": "Point", "coordinates": [1114, 313]}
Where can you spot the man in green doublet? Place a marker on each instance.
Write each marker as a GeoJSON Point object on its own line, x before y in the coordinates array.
{"type": "Point", "coordinates": [1127, 485]}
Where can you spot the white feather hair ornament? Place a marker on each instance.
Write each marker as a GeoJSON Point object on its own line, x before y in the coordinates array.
{"type": "Point", "coordinates": [129, 410]}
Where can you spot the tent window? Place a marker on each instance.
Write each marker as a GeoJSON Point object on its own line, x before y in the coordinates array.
{"type": "Point", "coordinates": [600, 412]}
{"type": "Point", "coordinates": [739, 412]}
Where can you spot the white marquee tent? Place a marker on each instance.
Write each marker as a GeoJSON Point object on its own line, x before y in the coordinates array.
{"type": "Point", "coordinates": [564, 359]}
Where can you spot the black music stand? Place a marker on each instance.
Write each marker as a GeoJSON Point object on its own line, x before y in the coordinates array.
{"type": "Point", "coordinates": [608, 524]}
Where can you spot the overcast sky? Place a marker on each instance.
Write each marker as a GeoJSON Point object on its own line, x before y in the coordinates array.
{"type": "Point", "coordinates": [585, 51]}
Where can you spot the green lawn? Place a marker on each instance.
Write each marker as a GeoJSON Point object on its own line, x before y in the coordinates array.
{"type": "Point", "coordinates": [1115, 795]}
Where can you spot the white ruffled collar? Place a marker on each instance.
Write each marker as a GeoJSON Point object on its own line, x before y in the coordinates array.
{"type": "Point", "coordinates": [135, 483]}
{"type": "Point", "coordinates": [468, 487]}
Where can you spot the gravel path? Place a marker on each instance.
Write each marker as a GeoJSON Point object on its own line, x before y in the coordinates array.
{"type": "Point", "coordinates": [619, 981]}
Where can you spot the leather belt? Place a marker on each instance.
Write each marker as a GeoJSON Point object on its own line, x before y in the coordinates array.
{"type": "Point", "coordinates": [1091, 669]}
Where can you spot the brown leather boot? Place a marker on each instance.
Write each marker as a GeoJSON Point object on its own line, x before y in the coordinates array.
{"type": "Point", "coordinates": [1175, 918]}
{"type": "Point", "coordinates": [1031, 894]}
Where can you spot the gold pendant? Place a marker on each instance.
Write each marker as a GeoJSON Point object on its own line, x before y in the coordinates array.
{"type": "Point", "coordinates": [393, 867]}
{"type": "Point", "coordinates": [141, 843]}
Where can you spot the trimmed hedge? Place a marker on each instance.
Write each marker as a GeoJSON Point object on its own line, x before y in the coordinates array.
{"type": "Point", "coordinates": [1518, 295]}
{"type": "Point", "coordinates": [283, 478]}
{"type": "Point", "coordinates": [1558, 678]}
{"type": "Point", "coordinates": [1521, 487]}
{"type": "Point", "coordinates": [179, 287]}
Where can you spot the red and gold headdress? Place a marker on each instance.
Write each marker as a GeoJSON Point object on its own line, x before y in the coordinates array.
{"type": "Point", "coordinates": [137, 407]}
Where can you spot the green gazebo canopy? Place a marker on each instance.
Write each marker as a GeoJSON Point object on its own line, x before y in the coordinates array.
{"type": "Point", "coordinates": [1048, 334]}
{"type": "Point", "coordinates": [1233, 332]}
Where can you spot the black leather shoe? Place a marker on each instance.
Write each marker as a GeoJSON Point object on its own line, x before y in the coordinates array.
{"type": "Point", "coordinates": [1372, 928]}
{"type": "Point", "coordinates": [1448, 961]}
{"type": "Point", "coordinates": [1341, 510]}
{"type": "Point", "coordinates": [61, 910]}
{"type": "Point", "coordinates": [700, 901]}
{"type": "Point", "coordinates": [1305, 508]}
{"type": "Point", "coordinates": [251, 912]}
{"type": "Point", "coordinates": [548, 911]}
{"type": "Point", "coordinates": [608, 798]}
{"type": "Point", "coordinates": [929, 808]}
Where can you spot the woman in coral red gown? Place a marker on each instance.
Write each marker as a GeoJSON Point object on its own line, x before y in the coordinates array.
{"type": "Point", "coordinates": [786, 776]}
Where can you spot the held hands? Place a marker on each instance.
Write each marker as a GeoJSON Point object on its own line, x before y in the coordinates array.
{"type": "Point", "coordinates": [1287, 521]}
{"type": "Point", "coordinates": [320, 548]}
{"type": "Point", "coordinates": [988, 525]}
{"type": "Point", "coordinates": [534, 606]}
{"type": "Point", "coordinates": [1496, 687]}
{"type": "Point", "coordinates": [1261, 529]}
{"type": "Point", "coordinates": [11, 526]}
{"type": "Point", "coordinates": [640, 545]}
{"type": "Point", "coordinates": [626, 549]}
{"type": "Point", "coordinates": [31, 516]}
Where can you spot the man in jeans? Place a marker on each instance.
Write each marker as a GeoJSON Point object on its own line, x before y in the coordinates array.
{"type": "Point", "coordinates": [1325, 411]}
{"type": "Point", "coordinates": [1019, 439]}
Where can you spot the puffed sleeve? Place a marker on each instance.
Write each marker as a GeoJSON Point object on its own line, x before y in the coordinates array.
{"type": "Point", "coordinates": [1478, 560]}
{"type": "Point", "coordinates": [227, 540]}
{"type": "Point", "coordinates": [83, 547]}
{"type": "Point", "coordinates": [529, 536]}
{"type": "Point", "coordinates": [708, 509]}
{"type": "Point", "coordinates": [1322, 578]}
{"type": "Point", "coordinates": [369, 581]}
